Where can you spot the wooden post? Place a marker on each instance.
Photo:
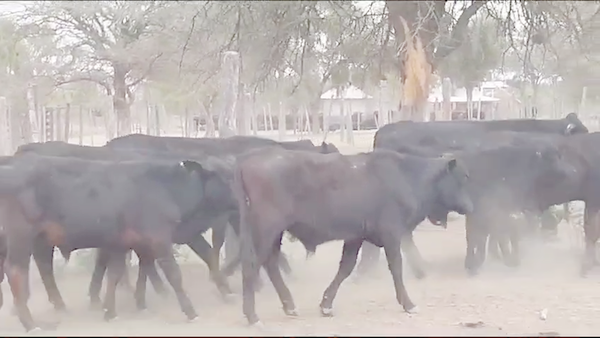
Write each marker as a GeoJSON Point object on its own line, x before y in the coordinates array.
{"type": "Point", "coordinates": [49, 124]}
{"type": "Point", "coordinates": [156, 120]}
{"type": "Point", "coordinates": [583, 101]}
{"type": "Point", "coordinates": [67, 123]}
{"type": "Point", "coordinates": [265, 121]}
{"type": "Point", "coordinates": [383, 103]}
{"type": "Point", "coordinates": [270, 117]}
{"type": "Point", "coordinates": [254, 116]}
{"type": "Point", "coordinates": [230, 91]}
{"type": "Point", "coordinates": [446, 95]}
{"type": "Point", "coordinates": [80, 125]}
{"type": "Point", "coordinates": [4, 127]}
{"type": "Point", "coordinates": [281, 124]}
{"type": "Point", "coordinates": [349, 124]}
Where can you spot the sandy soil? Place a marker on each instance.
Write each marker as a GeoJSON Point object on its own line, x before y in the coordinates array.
{"type": "Point", "coordinates": [507, 301]}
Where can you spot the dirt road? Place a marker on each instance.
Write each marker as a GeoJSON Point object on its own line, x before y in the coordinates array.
{"type": "Point", "coordinates": [507, 301]}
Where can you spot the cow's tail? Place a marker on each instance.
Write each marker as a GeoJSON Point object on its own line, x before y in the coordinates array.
{"type": "Point", "coordinates": [247, 250]}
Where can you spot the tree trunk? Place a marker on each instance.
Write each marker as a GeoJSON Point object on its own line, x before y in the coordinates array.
{"type": "Point", "coordinates": [446, 96]}
{"type": "Point", "coordinates": [67, 125]}
{"type": "Point", "coordinates": [469, 92]}
{"type": "Point", "coordinates": [80, 125]}
{"type": "Point", "coordinates": [315, 110]}
{"type": "Point", "coordinates": [121, 104]}
{"type": "Point", "coordinates": [32, 110]}
{"type": "Point", "coordinates": [230, 91]}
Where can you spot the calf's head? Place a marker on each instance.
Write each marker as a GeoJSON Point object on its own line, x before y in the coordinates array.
{"type": "Point", "coordinates": [450, 193]}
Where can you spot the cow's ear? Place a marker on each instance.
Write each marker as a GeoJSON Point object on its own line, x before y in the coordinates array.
{"type": "Point", "coordinates": [324, 147]}
{"type": "Point", "coordinates": [191, 165]}
{"type": "Point", "coordinates": [451, 165]}
{"type": "Point", "coordinates": [569, 129]}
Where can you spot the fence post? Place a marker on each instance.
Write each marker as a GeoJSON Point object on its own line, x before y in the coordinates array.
{"type": "Point", "coordinates": [48, 124]}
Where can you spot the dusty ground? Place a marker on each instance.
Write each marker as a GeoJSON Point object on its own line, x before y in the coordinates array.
{"type": "Point", "coordinates": [507, 301]}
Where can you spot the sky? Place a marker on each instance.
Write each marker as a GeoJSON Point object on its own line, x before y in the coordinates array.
{"type": "Point", "coordinates": [8, 7]}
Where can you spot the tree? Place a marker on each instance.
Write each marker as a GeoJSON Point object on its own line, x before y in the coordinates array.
{"type": "Point", "coordinates": [112, 44]}
{"type": "Point", "coordinates": [434, 33]}
{"type": "Point", "coordinates": [471, 63]}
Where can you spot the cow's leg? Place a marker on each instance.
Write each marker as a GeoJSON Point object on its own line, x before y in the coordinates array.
{"type": "Point", "coordinates": [232, 244]}
{"type": "Point", "coordinates": [43, 255]}
{"type": "Point", "coordinates": [100, 266]}
{"type": "Point", "coordinates": [3, 252]}
{"type": "Point", "coordinates": [140, 284]}
{"type": "Point", "coordinates": [116, 269]}
{"type": "Point", "coordinates": [472, 234]}
{"type": "Point", "coordinates": [284, 264]}
{"type": "Point", "coordinates": [415, 260]}
{"type": "Point", "coordinates": [494, 247]}
{"type": "Point", "coordinates": [272, 268]}
{"type": "Point", "coordinates": [157, 282]}
{"type": "Point", "coordinates": [218, 239]}
{"type": "Point", "coordinates": [504, 242]}
{"type": "Point", "coordinates": [172, 271]}
{"type": "Point", "coordinates": [549, 224]}
{"type": "Point", "coordinates": [347, 263]}
{"type": "Point", "coordinates": [592, 233]}
{"type": "Point", "coordinates": [20, 247]}
{"type": "Point", "coordinates": [201, 247]}
{"type": "Point", "coordinates": [125, 281]}
{"type": "Point", "coordinates": [151, 273]}
{"type": "Point", "coordinates": [515, 239]}
{"type": "Point", "coordinates": [2, 259]}
{"type": "Point", "coordinates": [146, 270]}
{"type": "Point", "coordinates": [368, 258]}
{"type": "Point", "coordinates": [391, 245]}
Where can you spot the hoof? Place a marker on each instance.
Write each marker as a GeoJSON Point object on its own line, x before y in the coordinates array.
{"type": "Point", "coordinates": [472, 272]}
{"type": "Point", "coordinates": [95, 305]}
{"type": "Point", "coordinates": [291, 312]}
{"type": "Point", "coordinates": [327, 312]}
{"type": "Point", "coordinates": [413, 310]}
{"type": "Point", "coordinates": [229, 298]}
{"type": "Point", "coordinates": [420, 274]}
{"type": "Point", "coordinates": [110, 317]}
{"type": "Point", "coordinates": [193, 320]}
{"type": "Point", "coordinates": [35, 329]}
{"type": "Point", "coordinates": [62, 308]}
{"type": "Point", "coordinates": [258, 324]}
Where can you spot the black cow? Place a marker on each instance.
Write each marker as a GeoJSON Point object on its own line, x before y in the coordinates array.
{"type": "Point", "coordinates": [508, 180]}
{"type": "Point", "coordinates": [212, 146]}
{"type": "Point", "coordinates": [434, 138]}
{"type": "Point", "coordinates": [72, 204]}
{"type": "Point", "coordinates": [515, 169]}
{"type": "Point", "coordinates": [438, 132]}
{"type": "Point", "coordinates": [188, 232]}
{"type": "Point", "coordinates": [220, 147]}
{"type": "Point", "coordinates": [319, 198]}
{"type": "Point", "coordinates": [583, 153]}
{"type": "Point", "coordinates": [143, 146]}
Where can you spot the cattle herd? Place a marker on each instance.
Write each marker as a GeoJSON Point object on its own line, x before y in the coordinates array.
{"type": "Point", "coordinates": [146, 193]}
